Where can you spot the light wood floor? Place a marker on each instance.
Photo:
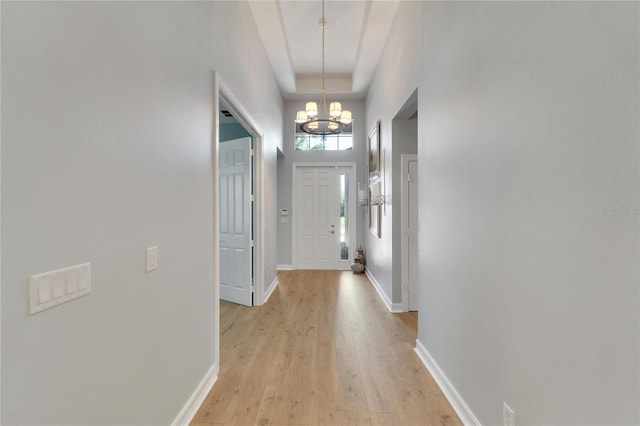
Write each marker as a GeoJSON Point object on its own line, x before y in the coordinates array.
{"type": "Point", "coordinates": [324, 350]}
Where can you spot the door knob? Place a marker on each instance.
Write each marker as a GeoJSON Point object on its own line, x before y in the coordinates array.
{"type": "Point", "coordinates": [332, 232]}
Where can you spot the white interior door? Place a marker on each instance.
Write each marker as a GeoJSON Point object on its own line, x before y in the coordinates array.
{"type": "Point", "coordinates": [235, 221]}
{"type": "Point", "coordinates": [316, 217]}
{"type": "Point", "coordinates": [412, 231]}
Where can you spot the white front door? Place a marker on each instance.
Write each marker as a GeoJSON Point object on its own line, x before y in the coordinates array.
{"type": "Point", "coordinates": [324, 215]}
{"type": "Point", "coordinates": [235, 221]}
{"type": "Point", "coordinates": [317, 217]}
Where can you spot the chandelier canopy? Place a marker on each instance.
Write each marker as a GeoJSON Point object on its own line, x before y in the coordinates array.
{"type": "Point", "coordinates": [326, 121]}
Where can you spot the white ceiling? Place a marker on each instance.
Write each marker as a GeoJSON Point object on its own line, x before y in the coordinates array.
{"type": "Point", "coordinates": [355, 33]}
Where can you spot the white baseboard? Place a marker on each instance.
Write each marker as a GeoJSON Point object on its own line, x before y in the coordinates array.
{"type": "Point", "coordinates": [272, 287]}
{"type": "Point", "coordinates": [284, 267]}
{"type": "Point", "coordinates": [392, 307]}
{"type": "Point", "coordinates": [454, 398]}
{"type": "Point", "coordinates": [190, 409]}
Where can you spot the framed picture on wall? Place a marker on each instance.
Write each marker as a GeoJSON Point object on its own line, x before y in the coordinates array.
{"type": "Point", "coordinates": [374, 149]}
{"type": "Point", "coordinates": [375, 208]}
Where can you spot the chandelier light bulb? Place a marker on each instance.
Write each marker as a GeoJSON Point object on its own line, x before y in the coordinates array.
{"type": "Point", "coordinates": [335, 109]}
{"type": "Point", "coordinates": [301, 117]}
{"type": "Point", "coordinates": [312, 109]}
{"type": "Point", "coordinates": [333, 125]}
{"type": "Point", "coordinates": [345, 118]}
{"type": "Point", "coordinates": [313, 125]}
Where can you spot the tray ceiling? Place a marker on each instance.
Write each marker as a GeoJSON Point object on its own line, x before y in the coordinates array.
{"type": "Point", "coordinates": [355, 35]}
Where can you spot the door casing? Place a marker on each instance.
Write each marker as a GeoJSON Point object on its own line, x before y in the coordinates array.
{"type": "Point", "coordinates": [404, 195]}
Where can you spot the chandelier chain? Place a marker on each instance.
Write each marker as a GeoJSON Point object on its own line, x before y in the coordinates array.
{"type": "Point", "coordinates": [323, 92]}
{"type": "Point", "coordinates": [323, 121]}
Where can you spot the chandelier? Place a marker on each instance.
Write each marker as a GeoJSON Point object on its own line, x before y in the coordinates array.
{"type": "Point", "coordinates": [326, 121]}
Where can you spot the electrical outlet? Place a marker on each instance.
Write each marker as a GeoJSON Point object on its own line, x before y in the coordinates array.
{"type": "Point", "coordinates": [508, 416]}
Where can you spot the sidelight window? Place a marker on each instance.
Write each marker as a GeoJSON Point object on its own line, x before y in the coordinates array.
{"type": "Point", "coordinates": [344, 216]}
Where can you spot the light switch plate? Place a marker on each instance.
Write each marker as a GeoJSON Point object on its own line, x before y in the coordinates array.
{"type": "Point", "coordinates": [72, 282]}
{"type": "Point", "coordinates": [43, 289]}
{"type": "Point", "coordinates": [152, 258]}
{"type": "Point", "coordinates": [53, 288]}
{"type": "Point", "coordinates": [84, 276]}
{"type": "Point", "coordinates": [58, 285]}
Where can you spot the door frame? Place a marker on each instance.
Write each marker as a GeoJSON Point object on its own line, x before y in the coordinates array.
{"type": "Point", "coordinates": [243, 117]}
{"type": "Point", "coordinates": [352, 206]}
{"type": "Point", "coordinates": [404, 223]}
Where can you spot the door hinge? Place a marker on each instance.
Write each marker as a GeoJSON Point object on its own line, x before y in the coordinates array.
{"type": "Point", "coordinates": [408, 178]}
{"type": "Point", "coordinates": [251, 152]}
{"type": "Point", "coordinates": [251, 243]}
{"type": "Point", "coordinates": [252, 198]}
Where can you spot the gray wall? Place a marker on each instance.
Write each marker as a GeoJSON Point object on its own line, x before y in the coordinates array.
{"type": "Point", "coordinates": [285, 167]}
{"type": "Point", "coordinates": [528, 143]}
{"type": "Point", "coordinates": [384, 101]}
{"type": "Point", "coordinates": [106, 150]}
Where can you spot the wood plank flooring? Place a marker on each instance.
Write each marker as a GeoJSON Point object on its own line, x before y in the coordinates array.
{"type": "Point", "coordinates": [324, 350]}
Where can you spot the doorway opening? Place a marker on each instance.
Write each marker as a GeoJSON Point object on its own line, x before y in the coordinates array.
{"type": "Point", "coordinates": [405, 235]}
{"type": "Point", "coordinates": [223, 100]}
{"type": "Point", "coordinates": [238, 189]}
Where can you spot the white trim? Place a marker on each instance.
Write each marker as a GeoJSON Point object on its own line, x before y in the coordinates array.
{"type": "Point", "coordinates": [215, 214]}
{"type": "Point", "coordinates": [392, 307]}
{"type": "Point", "coordinates": [272, 287]}
{"type": "Point", "coordinates": [404, 223]}
{"type": "Point", "coordinates": [461, 408]}
{"type": "Point", "coordinates": [188, 412]}
{"type": "Point", "coordinates": [284, 267]}
{"type": "Point", "coordinates": [0, 228]}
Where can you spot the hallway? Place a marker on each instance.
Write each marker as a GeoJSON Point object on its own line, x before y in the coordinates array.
{"type": "Point", "coordinates": [322, 351]}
